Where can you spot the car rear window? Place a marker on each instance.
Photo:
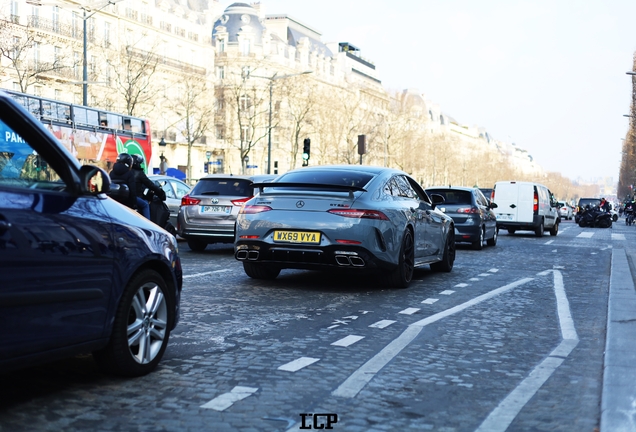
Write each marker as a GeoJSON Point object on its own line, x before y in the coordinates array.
{"type": "Point", "coordinates": [231, 187]}
{"type": "Point", "coordinates": [453, 196]}
{"type": "Point", "coordinates": [585, 201]}
{"type": "Point", "coordinates": [336, 177]}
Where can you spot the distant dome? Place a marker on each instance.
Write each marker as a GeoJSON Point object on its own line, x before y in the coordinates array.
{"type": "Point", "coordinates": [239, 18]}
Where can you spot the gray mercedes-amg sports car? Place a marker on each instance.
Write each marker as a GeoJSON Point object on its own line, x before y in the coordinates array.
{"type": "Point", "coordinates": [353, 217]}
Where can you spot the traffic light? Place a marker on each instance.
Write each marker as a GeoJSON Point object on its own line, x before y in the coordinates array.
{"type": "Point", "coordinates": [306, 151]}
{"type": "Point", "coordinates": [362, 141]}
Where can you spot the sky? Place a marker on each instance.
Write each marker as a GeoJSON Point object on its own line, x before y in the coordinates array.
{"type": "Point", "coordinates": [547, 75]}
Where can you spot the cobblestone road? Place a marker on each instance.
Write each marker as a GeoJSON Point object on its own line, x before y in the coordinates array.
{"type": "Point", "coordinates": [442, 355]}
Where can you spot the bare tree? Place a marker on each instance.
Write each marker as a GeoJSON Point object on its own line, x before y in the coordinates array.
{"type": "Point", "coordinates": [300, 100]}
{"type": "Point", "coordinates": [133, 68]}
{"type": "Point", "coordinates": [193, 105]}
{"type": "Point", "coordinates": [20, 47]}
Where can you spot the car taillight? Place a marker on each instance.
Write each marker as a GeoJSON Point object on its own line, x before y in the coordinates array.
{"type": "Point", "coordinates": [359, 214]}
{"type": "Point", "coordinates": [187, 200]}
{"type": "Point", "coordinates": [535, 206]}
{"type": "Point", "coordinates": [240, 202]}
{"type": "Point", "coordinates": [492, 195]}
{"type": "Point", "coordinates": [468, 210]}
{"type": "Point", "coordinates": [253, 209]}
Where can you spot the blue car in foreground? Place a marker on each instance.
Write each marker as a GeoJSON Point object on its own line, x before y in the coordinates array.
{"type": "Point", "coordinates": [78, 272]}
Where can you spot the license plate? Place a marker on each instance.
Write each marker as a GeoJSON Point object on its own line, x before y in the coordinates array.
{"type": "Point", "coordinates": [504, 217]}
{"type": "Point", "coordinates": [305, 237]}
{"type": "Point", "coordinates": [216, 209]}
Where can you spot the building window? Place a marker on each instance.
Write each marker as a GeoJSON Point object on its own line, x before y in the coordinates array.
{"type": "Point", "coordinates": [220, 72]}
{"type": "Point", "coordinates": [56, 19]}
{"type": "Point", "coordinates": [58, 94]}
{"type": "Point", "coordinates": [245, 72]}
{"type": "Point", "coordinates": [36, 54]}
{"type": "Point", "coordinates": [57, 55]}
{"type": "Point", "coordinates": [246, 47]}
{"type": "Point", "coordinates": [16, 50]}
{"type": "Point", "coordinates": [15, 11]}
{"type": "Point", "coordinates": [75, 27]}
{"type": "Point", "coordinates": [219, 132]}
{"type": "Point", "coordinates": [37, 90]}
{"type": "Point", "coordinates": [76, 65]}
{"type": "Point", "coordinates": [221, 45]}
{"type": "Point", "coordinates": [106, 34]}
{"type": "Point", "coordinates": [245, 134]}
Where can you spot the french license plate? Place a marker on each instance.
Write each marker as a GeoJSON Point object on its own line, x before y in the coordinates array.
{"type": "Point", "coordinates": [216, 209]}
{"type": "Point", "coordinates": [504, 217]}
{"type": "Point", "coordinates": [305, 237]}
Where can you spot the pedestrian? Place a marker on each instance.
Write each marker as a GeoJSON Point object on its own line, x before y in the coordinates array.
{"type": "Point", "coordinates": [122, 174]}
{"type": "Point", "coordinates": [142, 182]}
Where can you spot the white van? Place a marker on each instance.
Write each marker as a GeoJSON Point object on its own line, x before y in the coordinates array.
{"type": "Point", "coordinates": [525, 206]}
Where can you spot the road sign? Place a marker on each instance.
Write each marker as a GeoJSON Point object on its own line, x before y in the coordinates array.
{"type": "Point", "coordinates": [251, 166]}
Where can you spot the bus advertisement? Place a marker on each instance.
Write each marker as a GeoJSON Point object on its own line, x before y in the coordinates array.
{"type": "Point", "coordinates": [92, 135]}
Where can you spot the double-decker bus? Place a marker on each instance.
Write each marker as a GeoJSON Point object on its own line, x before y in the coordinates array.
{"type": "Point", "coordinates": [92, 135]}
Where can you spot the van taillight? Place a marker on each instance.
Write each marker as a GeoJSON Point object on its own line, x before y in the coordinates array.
{"type": "Point", "coordinates": [535, 206]}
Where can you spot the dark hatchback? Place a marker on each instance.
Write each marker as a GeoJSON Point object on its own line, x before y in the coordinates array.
{"type": "Point", "coordinates": [80, 272]}
{"type": "Point", "coordinates": [584, 202]}
{"type": "Point", "coordinates": [475, 222]}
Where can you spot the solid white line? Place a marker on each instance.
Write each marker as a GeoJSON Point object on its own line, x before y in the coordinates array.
{"type": "Point", "coordinates": [356, 381]}
{"type": "Point", "coordinates": [382, 324]}
{"type": "Point", "coordinates": [409, 311]}
{"type": "Point", "coordinates": [460, 285]}
{"type": "Point", "coordinates": [298, 364]}
{"type": "Point", "coordinates": [226, 400]}
{"type": "Point", "coordinates": [346, 341]}
{"type": "Point", "coordinates": [447, 292]}
{"type": "Point", "coordinates": [430, 301]}
{"type": "Point", "coordinates": [205, 273]}
{"type": "Point", "coordinates": [501, 417]}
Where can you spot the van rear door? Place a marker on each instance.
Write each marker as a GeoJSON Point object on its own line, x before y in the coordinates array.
{"type": "Point", "coordinates": [505, 197]}
{"type": "Point", "coordinates": [525, 210]}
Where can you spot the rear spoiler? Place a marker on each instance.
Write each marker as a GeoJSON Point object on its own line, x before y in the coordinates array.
{"type": "Point", "coordinates": [315, 186]}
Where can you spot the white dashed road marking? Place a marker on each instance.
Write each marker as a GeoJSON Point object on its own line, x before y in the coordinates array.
{"type": "Point", "coordinates": [298, 364]}
{"type": "Point", "coordinates": [447, 292]}
{"type": "Point", "coordinates": [586, 234]}
{"type": "Point", "coordinates": [485, 274]}
{"type": "Point", "coordinates": [409, 311]}
{"type": "Point", "coordinates": [346, 341]}
{"type": "Point", "coordinates": [473, 279]}
{"type": "Point", "coordinates": [205, 273]}
{"type": "Point", "coordinates": [493, 270]}
{"type": "Point", "coordinates": [461, 285]}
{"type": "Point", "coordinates": [226, 400]}
{"type": "Point", "coordinates": [549, 242]}
{"type": "Point", "coordinates": [356, 381]}
{"type": "Point", "coordinates": [618, 236]}
{"type": "Point", "coordinates": [382, 324]}
{"type": "Point", "coordinates": [430, 301]}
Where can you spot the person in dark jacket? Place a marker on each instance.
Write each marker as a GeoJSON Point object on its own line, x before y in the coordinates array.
{"type": "Point", "coordinates": [142, 182]}
{"type": "Point", "coordinates": [122, 174]}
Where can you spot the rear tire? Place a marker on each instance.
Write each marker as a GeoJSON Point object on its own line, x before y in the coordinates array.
{"type": "Point", "coordinates": [446, 264]}
{"type": "Point", "coordinates": [554, 230]}
{"type": "Point", "coordinates": [539, 231]}
{"type": "Point", "coordinates": [479, 244]}
{"type": "Point", "coordinates": [260, 271]}
{"type": "Point", "coordinates": [401, 276]}
{"type": "Point", "coordinates": [197, 245]}
{"type": "Point", "coordinates": [145, 316]}
{"type": "Point", "coordinates": [493, 241]}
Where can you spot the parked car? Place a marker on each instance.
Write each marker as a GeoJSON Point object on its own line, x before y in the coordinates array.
{"type": "Point", "coordinates": [584, 202]}
{"type": "Point", "coordinates": [475, 222]}
{"type": "Point", "coordinates": [80, 272]}
{"type": "Point", "coordinates": [525, 206]}
{"type": "Point", "coordinates": [175, 189]}
{"type": "Point", "coordinates": [487, 193]}
{"type": "Point", "coordinates": [565, 211]}
{"type": "Point", "coordinates": [349, 217]}
{"type": "Point", "coordinates": [208, 213]}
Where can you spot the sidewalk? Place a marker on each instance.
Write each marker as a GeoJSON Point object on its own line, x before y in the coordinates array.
{"type": "Point", "coordinates": [618, 400]}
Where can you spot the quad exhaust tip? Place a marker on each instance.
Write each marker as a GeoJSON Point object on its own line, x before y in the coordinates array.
{"type": "Point", "coordinates": [345, 260]}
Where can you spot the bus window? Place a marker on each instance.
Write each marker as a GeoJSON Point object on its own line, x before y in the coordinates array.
{"type": "Point", "coordinates": [63, 112]}
{"type": "Point", "coordinates": [136, 126]}
{"type": "Point", "coordinates": [34, 107]}
{"type": "Point", "coordinates": [48, 109]}
{"type": "Point", "coordinates": [114, 121]}
{"type": "Point", "coordinates": [92, 118]}
{"type": "Point", "coordinates": [79, 115]}
{"type": "Point", "coordinates": [127, 125]}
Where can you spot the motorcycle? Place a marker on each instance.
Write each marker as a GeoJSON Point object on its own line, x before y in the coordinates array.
{"type": "Point", "coordinates": [159, 211]}
{"type": "Point", "coordinates": [595, 217]}
{"type": "Point", "coordinates": [629, 214]}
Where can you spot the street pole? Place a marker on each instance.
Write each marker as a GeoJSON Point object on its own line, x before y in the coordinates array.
{"type": "Point", "coordinates": [85, 67]}
{"type": "Point", "coordinates": [269, 130]}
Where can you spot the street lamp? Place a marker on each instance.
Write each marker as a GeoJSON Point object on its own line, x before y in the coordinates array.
{"type": "Point", "coordinates": [269, 128]}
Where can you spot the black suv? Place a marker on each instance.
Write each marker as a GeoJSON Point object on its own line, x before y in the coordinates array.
{"type": "Point", "coordinates": [584, 202]}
